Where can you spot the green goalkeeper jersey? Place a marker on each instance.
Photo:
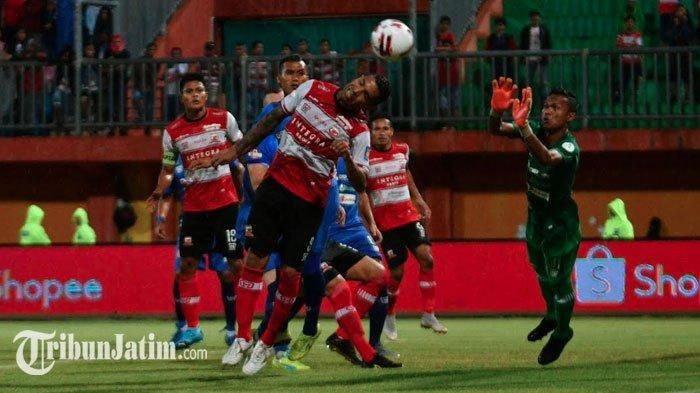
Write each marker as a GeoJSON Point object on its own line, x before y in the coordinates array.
{"type": "Point", "coordinates": [553, 221]}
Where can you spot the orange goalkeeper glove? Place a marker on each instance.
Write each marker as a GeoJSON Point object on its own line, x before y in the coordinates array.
{"type": "Point", "coordinates": [502, 97]}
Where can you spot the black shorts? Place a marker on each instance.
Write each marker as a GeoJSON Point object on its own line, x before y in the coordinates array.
{"type": "Point", "coordinates": [397, 241]}
{"type": "Point", "coordinates": [341, 256]}
{"type": "Point", "coordinates": [210, 231]}
{"type": "Point", "coordinates": [281, 221]}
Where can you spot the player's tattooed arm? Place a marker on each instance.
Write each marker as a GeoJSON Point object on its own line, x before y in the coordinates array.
{"type": "Point", "coordinates": [417, 198]}
{"type": "Point", "coordinates": [164, 179]}
{"type": "Point", "coordinates": [251, 139]}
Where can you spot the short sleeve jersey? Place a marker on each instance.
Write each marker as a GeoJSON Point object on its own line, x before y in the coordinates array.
{"type": "Point", "coordinates": [207, 188]}
{"type": "Point", "coordinates": [305, 161]}
{"type": "Point", "coordinates": [388, 188]}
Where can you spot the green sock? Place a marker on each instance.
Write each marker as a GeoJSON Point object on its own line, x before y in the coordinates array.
{"type": "Point", "coordinates": [548, 296]}
{"type": "Point", "coordinates": [565, 308]}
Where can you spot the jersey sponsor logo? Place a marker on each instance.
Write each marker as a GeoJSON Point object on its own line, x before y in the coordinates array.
{"type": "Point", "coordinates": [254, 154]}
{"type": "Point", "coordinates": [201, 154]}
{"type": "Point", "coordinates": [568, 146]}
{"type": "Point", "coordinates": [213, 126]}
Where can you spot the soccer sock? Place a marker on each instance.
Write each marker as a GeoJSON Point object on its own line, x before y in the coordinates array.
{"type": "Point", "coordinates": [269, 301]}
{"type": "Point", "coordinates": [179, 314]}
{"type": "Point", "coordinates": [365, 297]}
{"type": "Point", "coordinates": [349, 320]}
{"type": "Point", "coordinates": [393, 292]}
{"type": "Point", "coordinates": [377, 315]}
{"type": "Point", "coordinates": [565, 308]}
{"type": "Point", "coordinates": [426, 282]}
{"type": "Point", "coordinates": [228, 297]}
{"type": "Point", "coordinates": [287, 292]}
{"type": "Point", "coordinates": [548, 296]}
{"type": "Point", "coordinates": [314, 287]}
{"type": "Point", "coordinates": [249, 287]}
{"type": "Point", "coordinates": [189, 298]}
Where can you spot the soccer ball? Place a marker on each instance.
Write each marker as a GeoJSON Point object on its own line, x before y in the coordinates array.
{"type": "Point", "coordinates": [391, 39]}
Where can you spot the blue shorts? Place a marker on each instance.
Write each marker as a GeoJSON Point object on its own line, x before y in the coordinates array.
{"type": "Point", "coordinates": [242, 221]}
{"type": "Point", "coordinates": [358, 238]}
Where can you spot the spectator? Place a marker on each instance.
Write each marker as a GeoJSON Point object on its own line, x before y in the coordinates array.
{"type": "Point", "coordinates": [501, 41]}
{"type": "Point", "coordinates": [631, 64]}
{"type": "Point", "coordinates": [257, 79]}
{"type": "Point", "coordinates": [32, 101]}
{"type": "Point", "coordinates": [117, 78]}
{"type": "Point", "coordinates": [679, 35]}
{"type": "Point", "coordinates": [536, 37]}
{"type": "Point", "coordinates": [12, 16]}
{"type": "Point", "coordinates": [632, 9]}
{"type": "Point", "coordinates": [327, 70]}
{"type": "Point", "coordinates": [286, 50]}
{"type": "Point", "coordinates": [448, 70]}
{"type": "Point", "coordinates": [303, 49]}
{"type": "Point", "coordinates": [667, 9]}
{"type": "Point", "coordinates": [84, 234]}
{"type": "Point", "coordinates": [102, 45]}
{"type": "Point", "coordinates": [213, 72]}
{"type": "Point", "coordinates": [89, 84]}
{"type": "Point", "coordinates": [240, 51]}
{"type": "Point", "coordinates": [48, 26]}
{"type": "Point", "coordinates": [173, 74]}
{"type": "Point", "coordinates": [8, 91]}
{"type": "Point", "coordinates": [104, 24]}
{"type": "Point", "coordinates": [21, 42]}
{"type": "Point", "coordinates": [145, 86]}
{"type": "Point", "coordinates": [62, 94]}
{"type": "Point", "coordinates": [32, 232]}
{"type": "Point", "coordinates": [618, 226]}
{"type": "Point", "coordinates": [655, 228]}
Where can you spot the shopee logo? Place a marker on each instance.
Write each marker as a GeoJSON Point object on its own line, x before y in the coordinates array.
{"type": "Point", "coordinates": [48, 291]}
{"type": "Point", "coordinates": [655, 282]}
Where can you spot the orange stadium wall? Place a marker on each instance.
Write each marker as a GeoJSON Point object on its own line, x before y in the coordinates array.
{"type": "Point", "coordinates": [189, 28]}
{"type": "Point", "coordinates": [255, 9]}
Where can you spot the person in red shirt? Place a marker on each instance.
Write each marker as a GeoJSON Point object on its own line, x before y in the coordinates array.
{"type": "Point", "coordinates": [448, 70]}
{"type": "Point", "coordinates": [210, 203]}
{"type": "Point", "coordinates": [630, 38]}
{"type": "Point", "coordinates": [391, 190]}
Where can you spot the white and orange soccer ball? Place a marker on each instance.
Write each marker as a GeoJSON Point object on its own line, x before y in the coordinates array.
{"type": "Point", "coordinates": [391, 39]}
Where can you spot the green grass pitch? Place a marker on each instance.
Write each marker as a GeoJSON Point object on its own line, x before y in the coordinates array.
{"type": "Point", "coordinates": [477, 355]}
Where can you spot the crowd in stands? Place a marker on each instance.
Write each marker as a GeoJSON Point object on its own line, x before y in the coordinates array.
{"type": "Point", "coordinates": [146, 92]}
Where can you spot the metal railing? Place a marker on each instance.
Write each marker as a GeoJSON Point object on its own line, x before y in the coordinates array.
{"type": "Point", "coordinates": [654, 87]}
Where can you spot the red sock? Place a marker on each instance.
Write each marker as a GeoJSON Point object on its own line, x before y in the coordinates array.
{"type": "Point", "coordinates": [189, 298]}
{"type": "Point", "coordinates": [249, 287]}
{"type": "Point", "coordinates": [349, 320]}
{"type": "Point", "coordinates": [365, 296]}
{"type": "Point", "coordinates": [393, 292]}
{"type": "Point", "coordinates": [426, 282]}
{"type": "Point", "coordinates": [287, 292]}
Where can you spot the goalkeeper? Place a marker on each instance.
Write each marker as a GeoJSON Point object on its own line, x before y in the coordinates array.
{"type": "Point", "coordinates": [553, 232]}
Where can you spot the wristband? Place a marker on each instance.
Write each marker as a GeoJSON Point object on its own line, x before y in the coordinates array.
{"type": "Point", "coordinates": [160, 219]}
{"type": "Point", "coordinates": [525, 131]}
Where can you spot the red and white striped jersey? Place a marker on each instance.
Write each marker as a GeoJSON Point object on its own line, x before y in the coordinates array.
{"type": "Point", "coordinates": [630, 41]}
{"type": "Point", "coordinates": [206, 188]}
{"type": "Point", "coordinates": [305, 161]}
{"type": "Point", "coordinates": [388, 188]}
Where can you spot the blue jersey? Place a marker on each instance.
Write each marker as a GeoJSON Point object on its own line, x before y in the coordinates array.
{"type": "Point", "coordinates": [176, 188]}
{"type": "Point", "coordinates": [349, 199]}
{"type": "Point", "coordinates": [264, 153]}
